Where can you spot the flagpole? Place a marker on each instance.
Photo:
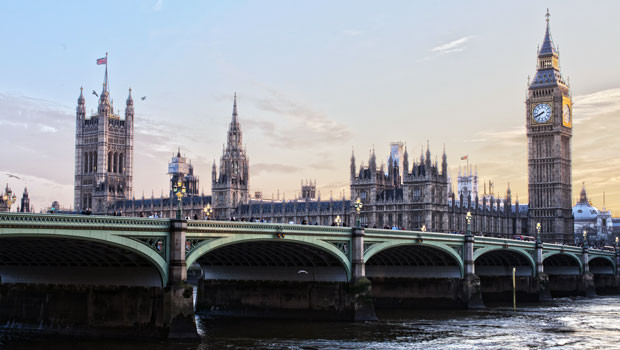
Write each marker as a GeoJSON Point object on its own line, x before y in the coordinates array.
{"type": "Point", "coordinates": [106, 72]}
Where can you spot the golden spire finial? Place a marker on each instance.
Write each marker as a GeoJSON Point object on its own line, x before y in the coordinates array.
{"type": "Point", "coordinates": [548, 15]}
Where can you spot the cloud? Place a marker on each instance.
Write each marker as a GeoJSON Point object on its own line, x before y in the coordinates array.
{"type": "Point", "coordinates": [260, 168]}
{"type": "Point", "coordinates": [352, 32]}
{"type": "Point", "coordinates": [595, 104]}
{"type": "Point", "coordinates": [298, 126]}
{"type": "Point", "coordinates": [453, 46]}
{"type": "Point", "coordinates": [158, 5]}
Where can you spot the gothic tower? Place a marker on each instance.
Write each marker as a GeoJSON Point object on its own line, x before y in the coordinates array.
{"type": "Point", "coordinates": [548, 124]}
{"type": "Point", "coordinates": [25, 207]}
{"type": "Point", "coordinates": [103, 153]}
{"type": "Point", "coordinates": [231, 187]}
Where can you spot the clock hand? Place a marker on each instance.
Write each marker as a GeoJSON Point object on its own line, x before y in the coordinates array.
{"type": "Point", "coordinates": [539, 114]}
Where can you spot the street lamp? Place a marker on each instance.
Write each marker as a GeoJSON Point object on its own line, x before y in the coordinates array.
{"type": "Point", "coordinates": [338, 220]}
{"type": "Point", "coordinates": [468, 218]}
{"type": "Point", "coordinates": [208, 211]}
{"type": "Point", "coordinates": [423, 228]}
{"type": "Point", "coordinates": [538, 229]}
{"type": "Point", "coordinates": [358, 208]}
{"type": "Point", "coordinates": [585, 238]}
{"type": "Point", "coordinates": [179, 191]}
{"type": "Point", "coordinates": [616, 245]}
{"type": "Point", "coordinates": [8, 199]}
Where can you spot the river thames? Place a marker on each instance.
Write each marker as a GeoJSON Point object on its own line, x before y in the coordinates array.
{"type": "Point", "coordinates": [562, 324]}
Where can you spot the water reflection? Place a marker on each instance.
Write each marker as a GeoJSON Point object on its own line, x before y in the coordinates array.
{"type": "Point", "coordinates": [563, 324]}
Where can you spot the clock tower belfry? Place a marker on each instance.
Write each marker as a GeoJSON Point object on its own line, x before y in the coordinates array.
{"type": "Point", "coordinates": [549, 131]}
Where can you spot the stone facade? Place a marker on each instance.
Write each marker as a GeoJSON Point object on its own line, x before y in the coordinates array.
{"type": "Point", "coordinates": [103, 153]}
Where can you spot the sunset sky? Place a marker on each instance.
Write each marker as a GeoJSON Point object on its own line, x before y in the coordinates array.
{"type": "Point", "coordinates": [314, 79]}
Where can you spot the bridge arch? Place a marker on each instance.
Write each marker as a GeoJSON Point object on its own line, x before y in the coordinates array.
{"type": "Point", "coordinates": [79, 257]}
{"type": "Point", "coordinates": [295, 253]}
{"type": "Point", "coordinates": [601, 265]}
{"type": "Point", "coordinates": [499, 261]}
{"type": "Point", "coordinates": [559, 263]}
{"type": "Point", "coordinates": [445, 260]}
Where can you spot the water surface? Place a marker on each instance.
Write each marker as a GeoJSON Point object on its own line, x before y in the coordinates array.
{"type": "Point", "coordinates": [563, 324]}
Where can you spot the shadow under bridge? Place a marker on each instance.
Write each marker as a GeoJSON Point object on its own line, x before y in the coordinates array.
{"type": "Point", "coordinates": [274, 260]}
{"type": "Point", "coordinates": [71, 260]}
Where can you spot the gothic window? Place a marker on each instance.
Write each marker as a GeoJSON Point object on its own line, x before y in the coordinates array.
{"type": "Point", "coordinates": [121, 163]}
{"type": "Point", "coordinates": [85, 160]}
{"type": "Point", "coordinates": [115, 163]}
{"type": "Point", "coordinates": [109, 162]}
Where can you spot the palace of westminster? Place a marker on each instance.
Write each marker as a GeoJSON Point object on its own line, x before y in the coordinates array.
{"type": "Point", "coordinates": [414, 194]}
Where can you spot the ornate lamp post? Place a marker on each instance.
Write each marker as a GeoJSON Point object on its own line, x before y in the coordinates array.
{"type": "Point", "coordinates": [538, 229]}
{"type": "Point", "coordinates": [338, 220]}
{"type": "Point", "coordinates": [423, 228]}
{"type": "Point", "coordinates": [8, 199]}
{"type": "Point", "coordinates": [585, 238]}
{"type": "Point", "coordinates": [616, 245]}
{"type": "Point", "coordinates": [179, 191]}
{"type": "Point", "coordinates": [358, 208]}
{"type": "Point", "coordinates": [208, 211]}
{"type": "Point", "coordinates": [468, 218]}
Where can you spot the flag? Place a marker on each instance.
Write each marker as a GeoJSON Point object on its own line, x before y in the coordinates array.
{"type": "Point", "coordinates": [464, 157]}
{"type": "Point", "coordinates": [103, 60]}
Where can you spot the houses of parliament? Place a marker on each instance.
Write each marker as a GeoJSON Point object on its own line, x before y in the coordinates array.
{"type": "Point", "coordinates": [411, 192]}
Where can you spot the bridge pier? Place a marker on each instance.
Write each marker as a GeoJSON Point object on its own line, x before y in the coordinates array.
{"type": "Point", "coordinates": [360, 286]}
{"type": "Point", "coordinates": [471, 291]}
{"type": "Point", "coordinates": [587, 287]}
{"type": "Point", "coordinates": [542, 279]}
{"type": "Point", "coordinates": [179, 302]}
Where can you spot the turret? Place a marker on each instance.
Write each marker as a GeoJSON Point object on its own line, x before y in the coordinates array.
{"type": "Point", "coordinates": [352, 165]}
{"type": "Point", "coordinates": [428, 155]}
{"type": "Point", "coordinates": [80, 111]}
{"type": "Point", "coordinates": [444, 163]}
{"type": "Point", "coordinates": [405, 163]}
{"type": "Point", "coordinates": [25, 203]}
{"type": "Point", "coordinates": [214, 173]}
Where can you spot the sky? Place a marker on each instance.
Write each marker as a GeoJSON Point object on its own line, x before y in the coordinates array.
{"type": "Point", "coordinates": [315, 80]}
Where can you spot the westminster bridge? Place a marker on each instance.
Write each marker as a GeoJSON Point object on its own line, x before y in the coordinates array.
{"type": "Point", "coordinates": [118, 276]}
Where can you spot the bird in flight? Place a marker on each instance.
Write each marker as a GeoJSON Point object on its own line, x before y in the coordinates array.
{"type": "Point", "coordinates": [95, 93]}
{"type": "Point", "coordinates": [143, 98]}
{"type": "Point", "coordinates": [11, 175]}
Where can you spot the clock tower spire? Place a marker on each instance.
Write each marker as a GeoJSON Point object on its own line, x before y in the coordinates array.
{"type": "Point", "coordinates": [549, 132]}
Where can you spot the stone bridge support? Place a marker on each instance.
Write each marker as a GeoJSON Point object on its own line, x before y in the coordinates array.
{"type": "Point", "coordinates": [178, 294]}
{"type": "Point", "coordinates": [361, 287]}
{"type": "Point", "coordinates": [542, 279]}
{"type": "Point", "coordinates": [472, 292]}
{"type": "Point", "coordinates": [586, 285]}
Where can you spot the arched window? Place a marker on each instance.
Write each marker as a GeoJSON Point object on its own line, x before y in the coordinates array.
{"type": "Point", "coordinates": [92, 162]}
{"type": "Point", "coordinates": [109, 162]}
{"type": "Point", "coordinates": [115, 165]}
{"type": "Point", "coordinates": [121, 163]}
{"type": "Point", "coordinates": [85, 160]}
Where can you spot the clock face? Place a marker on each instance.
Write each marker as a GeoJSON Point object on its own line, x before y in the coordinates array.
{"type": "Point", "coordinates": [566, 114]}
{"type": "Point", "coordinates": [541, 113]}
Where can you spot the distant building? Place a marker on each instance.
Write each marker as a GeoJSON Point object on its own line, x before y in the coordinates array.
{"type": "Point", "coordinates": [308, 189]}
{"type": "Point", "coordinates": [25, 202]}
{"type": "Point", "coordinates": [7, 198]}
{"type": "Point", "coordinates": [597, 224]}
{"type": "Point", "coordinates": [181, 169]}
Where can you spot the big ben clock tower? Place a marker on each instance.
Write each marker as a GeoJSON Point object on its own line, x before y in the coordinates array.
{"type": "Point", "coordinates": [549, 122]}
